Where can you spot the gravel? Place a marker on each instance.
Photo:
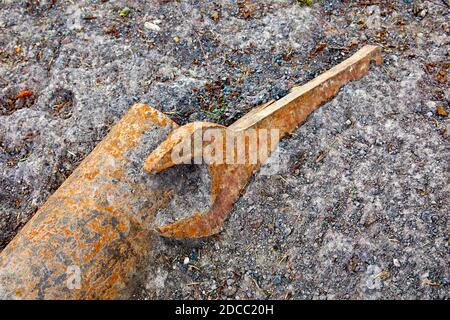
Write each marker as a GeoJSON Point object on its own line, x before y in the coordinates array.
{"type": "Point", "coordinates": [358, 206]}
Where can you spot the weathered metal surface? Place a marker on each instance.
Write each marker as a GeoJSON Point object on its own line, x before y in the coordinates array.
{"type": "Point", "coordinates": [285, 115]}
{"type": "Point", "coordinates": [98, 222]}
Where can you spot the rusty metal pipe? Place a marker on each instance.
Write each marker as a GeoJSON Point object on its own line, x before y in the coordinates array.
{"type": "Point", "coordinates": [90, 237]}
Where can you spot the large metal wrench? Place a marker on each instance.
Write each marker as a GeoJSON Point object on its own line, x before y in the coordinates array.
{"type": "Point", "coordinates": [228, 180]}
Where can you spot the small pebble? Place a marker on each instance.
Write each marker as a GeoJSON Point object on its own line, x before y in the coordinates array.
{"type": "Point", "coordinates": [186, 260]}
{"type": "Point", "coordinates": [151, 26]}
{"type": "Point", "coordinates": [230, 291]}
{"type": "Point", "coordinates": [423, 13]}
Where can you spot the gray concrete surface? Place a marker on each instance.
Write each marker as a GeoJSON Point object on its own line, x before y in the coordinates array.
{"type": "Point", "coordinates": [359, 206]}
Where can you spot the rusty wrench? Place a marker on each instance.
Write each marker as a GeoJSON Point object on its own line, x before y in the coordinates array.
{"type": "Point", "coordinates": [228, 180]}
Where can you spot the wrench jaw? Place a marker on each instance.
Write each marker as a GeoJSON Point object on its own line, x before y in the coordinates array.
{"type": "Point", "coordinates": [227, 183]}
{"type": "Point", "coordinates": [227, 180]}
{"type": "Point", "coordinates": [168, 155]}
{"type": "Point", "coordinates": [192, 227]}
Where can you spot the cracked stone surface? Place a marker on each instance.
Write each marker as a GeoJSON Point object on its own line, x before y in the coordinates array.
{"type": "Point", "coordinates": [358, 207]}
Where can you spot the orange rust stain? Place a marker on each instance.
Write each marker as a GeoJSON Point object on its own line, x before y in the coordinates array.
{"type": "Point", "coordinates": [96, 249]}
{"type": "Point", "coordinates": [66, 231]}
{"type": "Point", "coordinates": [112, 278]}
{"type": "Point", "coordinates": [92, 174]}
{"type": "Point", "coordinates": [19, 292]}
{"type": "Point", "coordinates": [110, 209]}
{"type": "Point", "coordinates": [117, 174]}
{"type": "Point", "coordinates": [122, 227]}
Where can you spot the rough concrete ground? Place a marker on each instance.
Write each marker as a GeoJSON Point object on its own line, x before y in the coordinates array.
{"type": "Point", "coordinates": [359, 207]}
